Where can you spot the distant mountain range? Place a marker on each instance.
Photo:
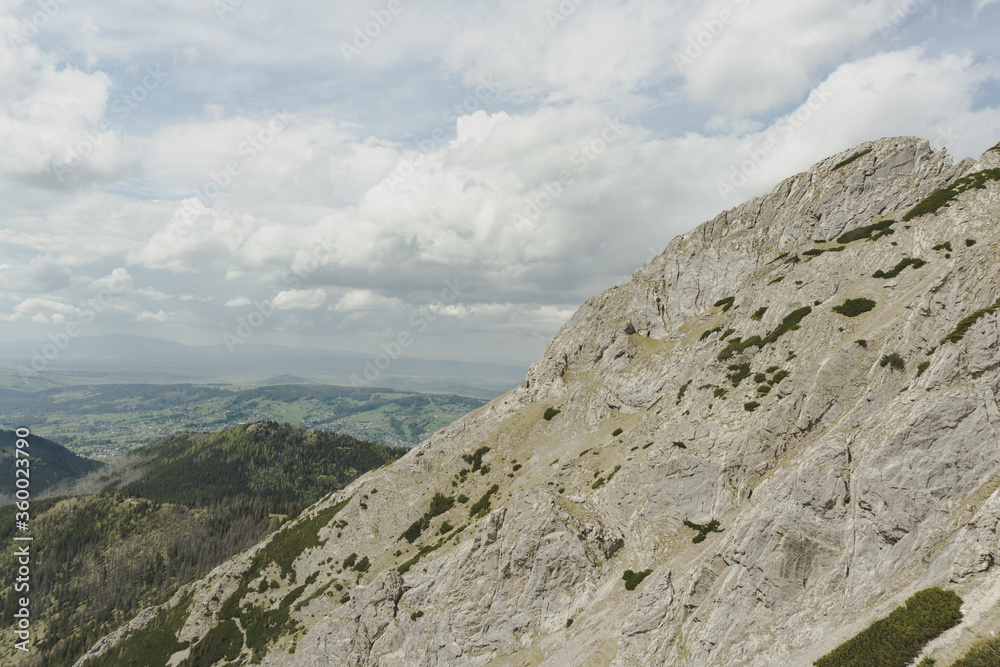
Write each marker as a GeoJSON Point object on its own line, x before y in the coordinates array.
{"type": "Point", "coordinates": [125, 358]}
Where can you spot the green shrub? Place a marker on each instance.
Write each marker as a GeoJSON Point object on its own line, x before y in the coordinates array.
{"type": "Point", "coordinates": [789, 323]}
{"type": "Point", "coordinates": [679, 444]}
{"type": "Point", "coordinates": [897, 362]}
{"type": "Point", "coordinates": [966, 323]}
{"type": "Point", "coordinates": [861, 342]}
{"type": "Point", "coordinates": [922, 367]}
{"type": "Point", "coordinates": [983, 654]}
{"type": "Point", "coordinates": [350, 561]}
{"type": "Point", "coordinates": [683, 390]}
{"type": "Point", "coordinates": [776, 280]}
{"type": "Point", "coordinates": [849, 160]}
{"type": "Point", "coordinates": [648, 445]}
{"type": "Point", "coordinates": [763, 390]}
{"type": "Point", "coordinates": [854, 307]}
{"type": "Point", "coordinates": [224, 642]}
{"type": "Point", "coordinates": [719, 392]}
{"type": "Point", "coordinates": [475, 459]}
{"type": "Point", "coordinates": [569, 622]}
{"type": "Point", "coordinates": [415, 615]}
{"type": "Point", "coordinates": [970, 242]}
{"type": "Point", "coordinates": [865, 232]}
{"type": "Point", "coordinates": [779, 376]}
{"type": "Point", "coordinates": [739, 372]}
{"type": "Point", "coordinates": [633, 579]}
{"type": "Point", "coordinates": [943, 246]}
{"type": "Point", "coordinates": [462, 499]}
{"type": "Point", "coordinates": [897, 639]}
{"type": "Point", "coordinates": [750, 406]}
{"type": "Point", "coordinates": [759, 378]}
{"type": "Point", "coordinates": [726, 303]}
{"type": "Point", "coordinates": [703, 529]}
{"type": "Point", "coordinates": [759, 314]}
{"type": "Point", "coordinates": [288, 544]}
{"type": "Point", "coordinates": [550, 413]}
{"type": "Point", "coordinates": [710, 332]}
{"type": "Point", "coordinates": [945, 196]}
{"type": "Point", "coordinates": [153, 645]}
{"type": "Point", "coordinates": [815, 252]}
{"type": "Point", "coordinates": [362, 565]}
{"type": "Point", "coordinates": [896, 270]}
{"type": "Point", "coordinates": [482, 506]}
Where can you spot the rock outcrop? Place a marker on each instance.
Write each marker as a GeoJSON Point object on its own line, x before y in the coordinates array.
{"type": "Point", "coordinates": [849, 459]}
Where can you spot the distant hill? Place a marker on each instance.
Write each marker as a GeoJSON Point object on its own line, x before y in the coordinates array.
{"type": "Point", "coordinates": [283, 467]}
{"type": "Point", "coordinates": [161, 518]}
{"type": "Point", "coordinates": [51, 464]}
{"type": "Point", "coordinates": [107, 420]}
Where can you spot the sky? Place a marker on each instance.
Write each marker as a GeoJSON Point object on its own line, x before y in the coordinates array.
{"type": "Point", "coordinates": [447, 180]}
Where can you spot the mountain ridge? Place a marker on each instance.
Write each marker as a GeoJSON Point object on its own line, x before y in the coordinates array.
{"type": "Point", "coordinates": [769, 469]}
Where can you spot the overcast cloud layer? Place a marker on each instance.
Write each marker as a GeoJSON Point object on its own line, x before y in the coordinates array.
{"type": "Point", "coordinates": [461, 173]}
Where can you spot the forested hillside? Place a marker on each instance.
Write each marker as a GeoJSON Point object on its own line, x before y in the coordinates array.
{"type": "Point", "coordinates": [163, 517]}
{"type": "Point", "coordinates": [51, 464]}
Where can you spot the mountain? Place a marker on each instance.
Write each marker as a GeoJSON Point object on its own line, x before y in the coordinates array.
{"type": "Point", "coordinates": [779, 435]}
{"type": "Point", "coordinates": [50, 464]}
{"type": "Point", "coordinates": [129, 359]}
{"type": "Point", "coordinates": [135, 531]}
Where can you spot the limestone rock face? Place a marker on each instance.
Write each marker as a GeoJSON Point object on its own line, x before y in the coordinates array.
{"type": "Point", "coordinates": [847, 460]}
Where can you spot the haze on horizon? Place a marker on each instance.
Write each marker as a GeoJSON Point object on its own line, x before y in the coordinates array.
{"type": "Point", "coordinates": [464, 173]}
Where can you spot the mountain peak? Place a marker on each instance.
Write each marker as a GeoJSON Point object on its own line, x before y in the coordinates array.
{"type": "Point", "coordinates": [778, 430]}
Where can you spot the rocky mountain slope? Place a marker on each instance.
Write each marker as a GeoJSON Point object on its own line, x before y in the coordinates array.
{"type": "Point", "coordinates": [777, 431]}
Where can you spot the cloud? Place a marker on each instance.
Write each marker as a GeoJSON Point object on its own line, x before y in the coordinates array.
{"type": "Point", "coordinates": [742, 57]}
{"type": "Point", "coordinates": [51, 115]}
{"type": "Point", "coordinates": [300, 299]}
{"type": "Point", "coordinates": [366, 300]}
{"type": "Point", "coordinates": [238, 302]}
{"type": "Point", "coordinates": [895, 93]}
{"type": "Point", "coordinates": [45, 273]}
{"type": "Point", "coordinates": [153, 293]}
{"type": "Point", "coordinates": [147, 316]}
{"type": "Point", "coordinates": [193, 238]}
{"type": "Point", "coordinates": [195, 297]}
{"type": "Point", "coordinates": [118, 281]}
{"type": "Point", "coordinates": [44, 310]}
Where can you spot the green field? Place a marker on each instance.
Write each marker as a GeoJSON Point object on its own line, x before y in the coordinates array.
{"type": "Point", "coordinates": [107, 421]}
